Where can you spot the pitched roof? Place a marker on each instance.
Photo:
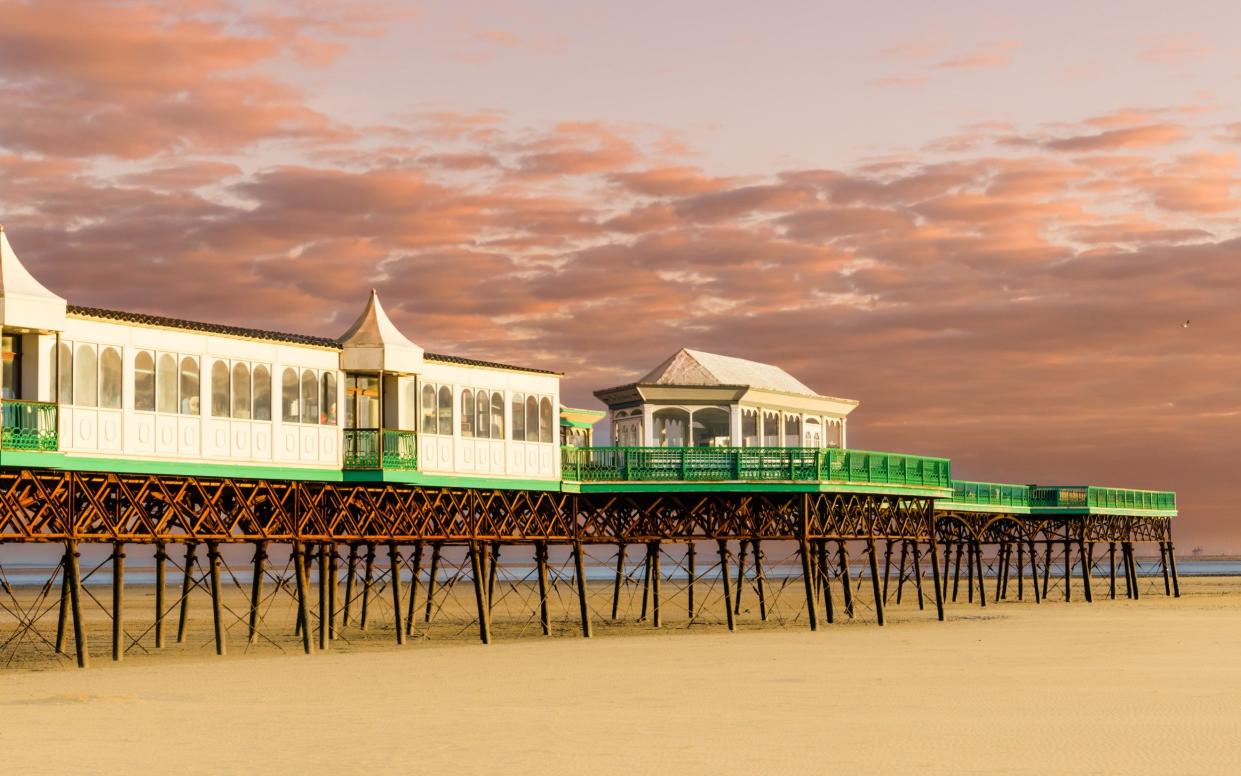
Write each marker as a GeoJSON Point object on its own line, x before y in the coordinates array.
{"type": "Point", "coordinates": [694, 367]}
{"type": "Point", "coordinates": [143, 319]}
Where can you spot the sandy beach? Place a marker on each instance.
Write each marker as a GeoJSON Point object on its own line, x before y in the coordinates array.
{"type": "Point", "coordinates": [1152, 686]}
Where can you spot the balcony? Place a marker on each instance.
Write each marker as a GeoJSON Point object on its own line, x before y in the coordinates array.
{"type": "Point", "coordinates": [380, 448]}
{"type": "Point", "coordinates": [28, 426]}
{"type": "Point", "coordinates": [749, 464]}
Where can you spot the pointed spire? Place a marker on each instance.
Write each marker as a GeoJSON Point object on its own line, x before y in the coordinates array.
{"type": "Point", "coordinates": [374, 343]}
{"type": "Point", "coordinates": [24, 301]}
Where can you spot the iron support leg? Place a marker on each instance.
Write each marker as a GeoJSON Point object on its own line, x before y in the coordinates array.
{"type": "Point", "coordinates": [724, 579]}
{"type": "Point", "coordinates": [579, 573]}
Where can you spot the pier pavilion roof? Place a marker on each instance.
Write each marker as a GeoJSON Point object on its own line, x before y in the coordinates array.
{"type": "Point", "coordinates": [25, 303]}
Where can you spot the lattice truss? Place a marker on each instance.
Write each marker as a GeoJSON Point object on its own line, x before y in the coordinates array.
{"type": "Point", "coordinates": [315, 566]}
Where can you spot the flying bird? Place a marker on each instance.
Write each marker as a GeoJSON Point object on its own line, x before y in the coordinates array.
{"type": "Point", "coordinates": [1185, 325]}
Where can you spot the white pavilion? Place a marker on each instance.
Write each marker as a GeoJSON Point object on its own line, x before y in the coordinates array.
{"type": "Point", "coordinates": [697, 399]}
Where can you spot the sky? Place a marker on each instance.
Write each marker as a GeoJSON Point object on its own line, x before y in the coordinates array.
{"type": "Point", "coordinates": [985, 221]}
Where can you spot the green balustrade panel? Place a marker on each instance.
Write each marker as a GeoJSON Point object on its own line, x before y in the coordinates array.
{"type": "Point", "coordinates": [373, 448]}
{"type": "Point", "coordinates": [990, 493]}
{"type": "Point", "coordinates": [29, 426]}
{"type": "Point", "coordinates": [1125, 498]}
{"type": "Point", "coordinates": [751, 464]}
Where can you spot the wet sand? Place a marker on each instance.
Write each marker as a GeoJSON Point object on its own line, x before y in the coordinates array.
{"type": "Point", "coordinates": [1152, 686]}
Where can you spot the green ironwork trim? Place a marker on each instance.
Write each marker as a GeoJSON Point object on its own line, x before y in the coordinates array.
{"type": "Point", "coordinates": [449, 480]}
{"type": "Point", "coordinates": [757, 486]}
{"type": "Point", "coordinates": [171, 468]}
{"type": "Point", "coordinates": [29, 425]}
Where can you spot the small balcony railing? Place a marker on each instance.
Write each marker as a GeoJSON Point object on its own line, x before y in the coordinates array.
{"type": "Point", "coordinates": [380, 448]}
{"type": "Point", "coordinates": [28, 425]}
{"type": "Point", "coordinates": [715, 464]}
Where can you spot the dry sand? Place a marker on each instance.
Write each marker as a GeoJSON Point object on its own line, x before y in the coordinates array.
{"type": "Point", "coordinates": [1115, 687]}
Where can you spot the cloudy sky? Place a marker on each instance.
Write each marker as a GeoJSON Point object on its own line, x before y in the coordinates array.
{"type": "Point", "coordinates": [985, 221]}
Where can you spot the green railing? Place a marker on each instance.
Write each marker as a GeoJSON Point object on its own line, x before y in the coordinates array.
{"type": "Point", "coordinates": [990, 493]}
{"type": "Point", "coordinates": [716, 464]}
{"type": "Point", "coordinates": [375, 448]}
{"type": "Point", "coordinates": [1124, 498]}
{"type": "Point", "coordinates": [28, 425]}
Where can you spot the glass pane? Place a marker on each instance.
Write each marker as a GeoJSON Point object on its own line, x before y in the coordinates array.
{"type": "Point", "coordinates": [329, 398]}
{"type": "Point", "coordinates": [64, 371]}
{"type": "Point", "coordinates": [749, 428]}
{"type": "Point", "coordinates": [532, 419]}
{"type": "Point", "coordinates": [310, 397]}
{"type": "Point", "coordinates": [241, 391]}
{"type": "Point", "coordinates": [110, 379]}
{"type": "Point", "coordinates": [445, 410]}
{"type": "Point", "coordinates": [219, 390]}
{"type": "Point", "coordinates": [428, 409]}
{"type": "Point", "coordinates": [9, 383]}
{"type": "Point", "coordinates": [497, 415]}
{"type": "Point", "coordinates": [288, 396]}
{"type": "Point", "coordinates": [467, 412]}
{"type": "Point", "coordinates": [191, 402]}
{"type": "Point", "coordinates": [86, 377]}
{"type": "Point", "coordinates": [483, 402]}
{"type": "Point", "coordinates": [519, 417]}
{"type": "Point", "coordinates": [166, 383]}
{"type": "Point", "coordinates": [262, 393]}
{"type": "Point", "coordinates": [545, 420]}
{"type": "Point", "coordinates": [144, 382]}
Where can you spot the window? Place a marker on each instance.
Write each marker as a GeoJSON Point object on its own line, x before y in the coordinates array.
{"type": "Point", "coordinates": [310, 397]}
{"type": "Point", "coordinates": [467, 412]}
{"type": "Point", "coordinates": [86, 376]}
{"type": "Point", "coordinates": [484, 414]}
{"type": "Point", "coordinates": [519, 417]}
{"type": "Point", "coordinates": [792, 431]}
{"type": "Point", "coordinates": [497, 415]}
{"type": "Point", "coordinates": [144, 381]}
{"type": "Point", "coordinates": [262, 393]}
{"type": "Point", "coordinates": [532, 419]}
{"type": "Point", "coordinates": [219, 390]}
{"type": "Point", "coordinates": [428, 410]}
{"type": "Point", "coordinates": [241, 391]}
{"type": "Point", "coordinates": [288, 396]}
{"type": "Point", "coordinates": [190, 401]}
{"type": "Point", "coordinates": [12, 366]}
{"type": "Point", "coordinates": [710, 427]}
{"type": "Point", "coordinates": [545, 424]}
{"type": "Point", "coordinates": [329, 398]}
{"type": "Point", "coordinates": [749, 428]}
{"type": "Point", "coordinates": [166, 383]}
{"type": "Point", "coordinates": [771, 429]}
{"type": "Point", "coordinates": [110, 379]}
{"type": "Point", "coordinates": [445, 410]}
{"type": "Point", "coordinates": [361, 401]}
{"type": "Point", "coordinates": [670, 425]}
{"type": "Point", "coordinates": [64, 373]}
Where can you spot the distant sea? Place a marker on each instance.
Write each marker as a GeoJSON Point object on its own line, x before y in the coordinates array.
{"type": "Point", "coordinates": [36, 574]}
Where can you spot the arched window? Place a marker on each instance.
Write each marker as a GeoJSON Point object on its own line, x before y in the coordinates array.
{"type": "Point", "coordinates": [241, 391]}
{"type": "Point", "coordinates": [166, 383]}
{"type": "Point", "coordinates": [428, 410]}
{"type": "Point", "coordinates": [329, 398]}
{"type": "Point", "coordinates": [813, 432]}
{"type": "Point", "coordinates": [64, 373]}
{"type": "Point", "coordinates": [262, 393]}
{"type": "Point", "coordinates": [710, 427]}
{"type": "Point", "coordinates": [445, 410]}
{"type": "Point", "coordinates": [144, 382]}
{"type": "Point", "coordinates": [219, 389]}
{"type": "Point", "coordinates": [771, 429]}
{"type": "Point", "coordinates": [792, 431]}
{"type": "Point", "coordinates": [483, 404]}
{"type": "Point", "coordinates": [467, 412]}
{"type": "Point", "coordinates": [532, 419]}
{"type": "Point", "coordinates": [519, 417]}
{"type": "Point", "coordinates": [289, 402]}
{"type": "Point", "coordinates": [110, 379]}
{"type": "Point", "coordinates": [190, 400]}
{"type": "Point", "coordinates": [86, 376]}
{"type": "Point", "coordinates": [545, 420]}
{"type": "Point", "coordinates": [671, 425]}
{"type": "Point", "coordinates": [749, 428]}
{"type": "Point", "coordinates": [497, 415]}
{"type": "Point", "coordinates": [310, 397]}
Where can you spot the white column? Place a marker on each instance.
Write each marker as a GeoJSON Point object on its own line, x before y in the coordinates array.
{"type": "Point", "coordinates": [648, 430]}
{"type": "Point", "coordinates": [734, 425]}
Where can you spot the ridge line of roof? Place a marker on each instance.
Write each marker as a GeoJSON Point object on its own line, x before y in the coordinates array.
{"type": "Point", "coordinates": [106, 314]}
